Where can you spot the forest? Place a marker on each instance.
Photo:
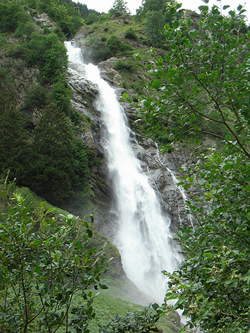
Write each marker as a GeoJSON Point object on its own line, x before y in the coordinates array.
{"type": "Point", "coordinates": [187, 80]}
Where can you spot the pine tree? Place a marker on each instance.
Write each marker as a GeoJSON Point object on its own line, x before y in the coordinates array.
{"type": "Point", "coordinates": [13, 138]}
{"type": "Point", "coordinates": [52, 166]}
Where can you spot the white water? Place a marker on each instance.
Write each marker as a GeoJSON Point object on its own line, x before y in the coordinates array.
{"type": "Point", "coordinates": [143, 237]}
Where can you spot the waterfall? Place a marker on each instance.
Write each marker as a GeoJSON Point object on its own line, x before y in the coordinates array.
{"type": "Point", "coordinates": [143, 236]}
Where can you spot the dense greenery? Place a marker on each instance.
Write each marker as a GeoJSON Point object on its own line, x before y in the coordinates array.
{"type": "Point", "coordinates": [41, 153]}
{"type": "Point", "coordinates": [47, 269]}
{"type": "Point", "coordinates": [202, 85]}
{"type": "Point", "coordinates": [50, 273]}
{"type": "Point", "coordinates": [119, 8]}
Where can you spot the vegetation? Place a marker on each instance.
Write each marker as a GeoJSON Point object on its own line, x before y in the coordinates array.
{"type": "Point", "coordinates": [203, 87]}
{"type": "Point", "coordinates": [119, 8]}
{"type": "Point", "coordinates": [50, 272]}
{"type": "Point", "coordinates": [46, 265]}
{"type": "Point", "coordinates": [199, 89]}
{"type": "Point", "coordinates": [53, 168]}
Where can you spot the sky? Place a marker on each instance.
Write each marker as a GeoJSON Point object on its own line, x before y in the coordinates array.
{"type": "Point", "coordinates": [106, 5]}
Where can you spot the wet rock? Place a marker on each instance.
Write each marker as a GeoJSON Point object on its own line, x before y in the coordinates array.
{"type": "Point", "coordinates": [161, 169]}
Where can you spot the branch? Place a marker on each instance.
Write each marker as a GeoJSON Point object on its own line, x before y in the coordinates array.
{"type": "Point", "coordinates": [234, 316]}
{"type": "Point", "coordinates": [222, 115]}
{"type": "Point", "coordinates": [26, 307]}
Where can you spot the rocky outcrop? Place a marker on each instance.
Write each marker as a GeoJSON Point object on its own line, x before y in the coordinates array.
{"type": "Point", "coordinates": [24, 78]}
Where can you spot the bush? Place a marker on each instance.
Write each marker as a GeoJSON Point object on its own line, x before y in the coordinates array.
{"type": "Point", "coordinates": [47, 269]}
{"type": "Point", "coordinates": [130, 34]}
{"type": "Point", "coordinates": [114, 46]}
{"type": "Point", "coordinates": [25, 30]}
{"type": "Point", "coordinates": [91, 18]}
{"type": "Point", "coordinates": [49, 53]}
{"type": "Point", "coordinates": [10, 15]}
{"type": "Point", "coordinates": [36, 98]}
{"type": "Point", "coordinates": [124, 66]}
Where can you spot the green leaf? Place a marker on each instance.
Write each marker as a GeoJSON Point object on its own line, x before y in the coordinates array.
{"type": "Point", "coordinates": [156, 84]}
{"type": "Point", "coordinates": [203, 8]}
{"type": "Point", "coordinates": [202, 76]}
{"type": "Point", "coordinates": [167, 58]}
{"type": "Point", "coordinates": [175, 24]}
{"type": "Point", "coordinates": [125, 96]}
{"type": "Point", "coordinates": [214, 75]}
{"type": "Point", "coordinates": [35, 242]}
{"type": "Point", "coordinates": [155, 306]}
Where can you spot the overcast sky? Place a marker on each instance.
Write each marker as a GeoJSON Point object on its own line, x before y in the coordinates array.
{"type": "Point", "coordinates": [105, 5]}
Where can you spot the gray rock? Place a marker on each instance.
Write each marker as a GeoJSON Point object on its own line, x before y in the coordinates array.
{"type": "Point", "coordinates": [159, 168]}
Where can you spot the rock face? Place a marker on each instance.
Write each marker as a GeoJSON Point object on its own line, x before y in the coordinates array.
{"type": "Point", "coordinates": [159, 168]}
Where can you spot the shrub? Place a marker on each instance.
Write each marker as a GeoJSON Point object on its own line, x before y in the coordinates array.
{"type": "Point", "coordinates": [130, 34]}
{"type": "Point", "coordinates": [91, 18]}
{"type": "Point", "coordinates": [114, 45]}
{"type": "Point", "coordinates": [47, 269]}
{"type": "Point", "coordinates": [124, 66]}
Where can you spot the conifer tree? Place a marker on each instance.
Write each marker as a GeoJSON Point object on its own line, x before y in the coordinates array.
{"type": "Point", "coordinates": [13, 138]}
{"type": "Point", "coordinates": [52, 165]}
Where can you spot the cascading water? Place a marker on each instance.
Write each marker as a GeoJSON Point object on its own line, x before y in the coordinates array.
{"type": "Point", "coordinates": [143, 236]}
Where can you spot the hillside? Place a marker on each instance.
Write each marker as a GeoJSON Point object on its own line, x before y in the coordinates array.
{"type": "Point", "coordinates": [33, 83]}
{"type": "Point", "coordinates": [185, 92]}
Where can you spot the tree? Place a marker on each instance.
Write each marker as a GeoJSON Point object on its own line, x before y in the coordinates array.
{"type": "Point", "coordinates": [154, 5]}
{"type": "Point", "coordinates": [52, 168]}
{"type": "Point", "coordinates": [154, 25]}
{"type": "Point", "coordinates": [200, 74]}
{"type": "Point", "coordinates": [119, 7]}
{"type": "Point", "coordinates": [49, 53]}
{"type": "Point", "coordinates": [47, 270]}
{"type": "Point", "coordinates": [114, 46]}
{"type": "Point", "coordinates": [14, 145]}
{"type": "Point", "coordinates": [203, 89]}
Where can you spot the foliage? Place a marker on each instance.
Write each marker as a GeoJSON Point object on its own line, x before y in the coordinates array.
{"type": "Point", "coordinates": [61, 95]}
{"type": "Point", "coordinates": [200, 74]}
{"type": "Point", "coordinates": [130, 34]}
{"type": "Point", "coordinates": [127, 66]}
{"type": "Point", "coordinates": [91, 18]}
{"type": "Point", "coordinates": [154, 5]}
{"type": "Point", "coordinates": [48, 53]}
{"type": "Point", "coordinates": [81, 164]}
{"type": "Point", "coordinates": [11, 15]}
{"type": "Point", "coordinates": [203, 81]}
{"type": "Point", "coordinates": [114, 46]}
{"type": "Point", "coordinates": [36, 97]}
{"type": "Point", "coordinates": [138, 321]}
{"type": "Point", "coordinates": [67, 18]}
{"type": "Point", "coordinates": [119, 7]}
{"type": "Point", "coordinates": [52, 169]}
{"type": "Point", "coordinates": [212, 284]}
{"type": "Point", "coordinates": [13, 138]}
{"type": "Point", "coordinates": [47, 269]}
{"type": "Point", "coordinates": [154, 25]}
